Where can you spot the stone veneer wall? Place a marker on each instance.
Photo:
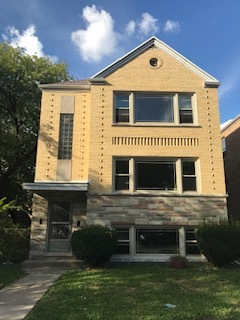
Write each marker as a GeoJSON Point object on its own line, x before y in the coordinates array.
{"type": "Point", "coordinates": [38, 227]}
{"type": "Point", "coordinates": [150, 210]}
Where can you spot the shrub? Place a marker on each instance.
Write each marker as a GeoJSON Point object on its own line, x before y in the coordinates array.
{"type": "Point", "coordinates": [219, 242]}
{"type": "Point", "coordinates": [14, 244]}
{"type": "Point", "coordinates": [95, 244]}
{"type": "Point", "coordinates": [178, 262]}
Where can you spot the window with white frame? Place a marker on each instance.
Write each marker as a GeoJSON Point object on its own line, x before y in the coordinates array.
{"type": "Point", "coordinates": [164, 108]}
{"type": "Point", "coordinates": [156, 241]}
{"type": "Point", "coordinates": [122, 107]}
{"type": "Point", "coordinates": [185, 108]}
{"type": "Point", "coordinates": [188, 176]}
{"type": "Point", "coordinates": [191, 242]}
{"type": "Point", "coordinates": [123, 245]}
{"type": "Point", "coordinates": [156, 174]}
{"type": "Point", "coordinates": [122, 174]}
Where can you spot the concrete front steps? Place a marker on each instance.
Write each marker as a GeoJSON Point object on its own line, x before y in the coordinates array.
{"type": "Point", "coordinates": [48, 264]}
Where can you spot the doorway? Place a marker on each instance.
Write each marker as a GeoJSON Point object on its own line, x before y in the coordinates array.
{"type": "Point", "coordinates": [59, 226]}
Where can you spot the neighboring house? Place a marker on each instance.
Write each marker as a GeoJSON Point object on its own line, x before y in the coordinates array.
{"type": "Point", "coordinates": [231, 147]}
{"type": "Point", "coordinates": [137, 147]}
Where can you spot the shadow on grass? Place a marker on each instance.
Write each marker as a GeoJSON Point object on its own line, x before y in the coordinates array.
{"type": "Point", "coordinates": [141, 292]}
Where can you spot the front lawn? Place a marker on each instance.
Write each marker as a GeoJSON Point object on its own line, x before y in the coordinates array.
{"type": "Point", "coordinates": [9, 273]}
{"type": "Point", "coordinates": [140, 292]}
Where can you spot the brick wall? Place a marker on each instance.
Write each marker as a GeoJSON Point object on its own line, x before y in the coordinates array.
{"type": "Point", "coordinates": [232, 168]}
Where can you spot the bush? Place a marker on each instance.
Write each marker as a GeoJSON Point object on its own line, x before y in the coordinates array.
{"type": "Point", "coordinates": [95, 244]}
{"type": "Point", "coordinates": [14, 244]}
{"type": "Point", "coordinates": [219, 242]}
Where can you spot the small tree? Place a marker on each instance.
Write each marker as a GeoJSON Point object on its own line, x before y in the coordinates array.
{"type": "Point", "coordinates": [219, 242]}
{"type": "Point", "coordinates": [14, 241]}
{"type": "Point", "coordinates": [20, 100]}
{"type": "Point", "coordinates": [95, 244]}
{"type": "Point", "coordinates": [5, 219]}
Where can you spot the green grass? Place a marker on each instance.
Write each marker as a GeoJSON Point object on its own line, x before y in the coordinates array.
{"type": "Point", "coordinates": [140, 292]}
{"type": "Point", "coordinates": [9, 273]}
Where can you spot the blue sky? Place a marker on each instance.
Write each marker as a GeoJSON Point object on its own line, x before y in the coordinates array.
{"type": "Point", "coordinates": [89, 35]}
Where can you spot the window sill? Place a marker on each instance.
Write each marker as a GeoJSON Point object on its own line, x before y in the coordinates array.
{"type": "Point", "coordinates": [155, 192]}
{"type": "Point", "coordinates": [190, 125]}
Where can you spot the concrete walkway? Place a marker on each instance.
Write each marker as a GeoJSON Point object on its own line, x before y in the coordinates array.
{"type": "Point", "coordinates": [19, 298]}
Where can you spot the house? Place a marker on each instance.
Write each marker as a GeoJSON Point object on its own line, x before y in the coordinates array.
{"type": "Point", "coordinates": [231, 147]}
{"type": "Point", "coordinates": [136, 147]}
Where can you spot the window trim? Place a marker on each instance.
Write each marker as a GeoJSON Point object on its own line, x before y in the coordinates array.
{"type": "Point", "coordinates": [178, 174]}
{"type": "Point", "coordinates": [176, 109]}
{"type": "Point", "coordinates": [181, 233]}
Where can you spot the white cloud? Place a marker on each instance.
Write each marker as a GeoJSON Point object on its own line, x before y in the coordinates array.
{"type": "Point", "coordinates": [27, 40]}
{"type": "Point", "coordinates": [99, 38]}
{"type": "Point", "coordinates": [148, 25]}
{"type": "Point", "coordinates": [171, 26]}
{"type": "Point", "coordinates": [224, 124]}
{"type": "Point", "coordinates": [130, 28]}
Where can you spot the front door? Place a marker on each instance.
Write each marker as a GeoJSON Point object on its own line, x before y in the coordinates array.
{"type": "Point", "coordinates": [59, 226]}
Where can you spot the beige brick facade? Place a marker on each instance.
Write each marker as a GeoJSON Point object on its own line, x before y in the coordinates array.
{"type": "Point", "coordinates": [231, 136]}
{"type": "Point", "coordinates": [98, 140]}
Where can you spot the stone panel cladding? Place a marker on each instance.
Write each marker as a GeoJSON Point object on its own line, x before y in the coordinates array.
{"type": "Point", "coordinates": [38, 227]}
{"type": "Point", "coordinates": [154, 210]}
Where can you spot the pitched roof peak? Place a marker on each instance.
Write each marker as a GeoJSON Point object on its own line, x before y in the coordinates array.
{"type": "Point", "coordinates": [154, 41]}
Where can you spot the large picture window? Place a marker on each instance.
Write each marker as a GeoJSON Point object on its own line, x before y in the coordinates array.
{"type": "Point", "coordinates": [159, 241]}
{"type": "Point", "coordinates": [166, 175]}
{"type": "Point", "coordinates": [155, 175]}
{"type": "Point", "coordinates": [169, 108]}
{"type": "Point", "coordinates": [154, 108]}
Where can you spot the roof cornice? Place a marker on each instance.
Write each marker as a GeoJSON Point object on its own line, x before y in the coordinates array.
{"type": "Point", "coordinates": [62, 87]}
{"type": "Point", "coordinates": [73, 85]}
{"type": "Point", "coordinates": [231, 123]}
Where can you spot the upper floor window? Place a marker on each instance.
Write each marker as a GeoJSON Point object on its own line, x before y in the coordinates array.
{"type": "Point", "coordinates": [188, 176]}
{"type": "Point", "coordinates": [122, 108]}
{"type": "Point", "coordinates": [185, 108]}
{"type": "Point", "coordinates": [65, 136]}
{"type": "Point", "coordinates": [122, 175]}
{"type": "Point", "coordinates": [155, 175]}
{"type": "Point", "coordinates": [154, 108]}
{"type": "Point", "coordinates": [158, 174]}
